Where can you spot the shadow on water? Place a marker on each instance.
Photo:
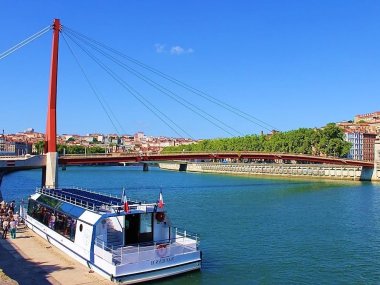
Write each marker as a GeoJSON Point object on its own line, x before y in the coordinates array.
{"type": "Point", "coordinates": [294, 188]}
{"type": "Point", "coordinates": [187, 278]}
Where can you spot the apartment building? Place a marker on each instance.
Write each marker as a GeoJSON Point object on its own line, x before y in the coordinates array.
{"type": "Point", "coordinates": [356, 139]}
{"type": "Point", "coordinates": [362, 134]}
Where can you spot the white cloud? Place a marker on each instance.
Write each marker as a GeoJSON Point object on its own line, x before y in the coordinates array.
{"type": "Point", "coordinates": [160, 48]}
{"type": "Point", "coordinates": [177, 50]}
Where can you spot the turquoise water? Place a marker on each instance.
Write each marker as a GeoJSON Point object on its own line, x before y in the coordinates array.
{"type": "Point", "coordinates": [253, 231]}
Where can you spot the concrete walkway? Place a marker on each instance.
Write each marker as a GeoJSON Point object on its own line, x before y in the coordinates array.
{"type": "Point", "coordinates": [31, 260]}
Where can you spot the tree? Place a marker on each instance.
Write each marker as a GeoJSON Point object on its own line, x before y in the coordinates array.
{"type": "Point", "coordinates": [39, 146]}
{"type": "Point", "coordinates": [96, 149]}
{"type": "Point", "coordinates": [328, 141]}
{"type": "Point", "coordinates": [332, 141]}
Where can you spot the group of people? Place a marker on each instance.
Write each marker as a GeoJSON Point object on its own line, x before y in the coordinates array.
{"type": "Point", "coordinates": [9, 219]}
{"type": "Point", "coordinates": [59, 222]}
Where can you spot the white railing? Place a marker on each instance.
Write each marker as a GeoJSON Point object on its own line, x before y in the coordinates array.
{"type": "Point", "coordinates": [72, 200]}
{"type": "Point", "coordinates": [90, 191]}
{"type": "Point", "coordinates": [141, 202]}
{"type": "Point", "coordinates": [85, 203]}
{"type": "Point", "coordinates": [181, 243]}
{"type": "Point", "coordinates": [94, 155]}
{"type": "Point", "coordinates": [185, 235]}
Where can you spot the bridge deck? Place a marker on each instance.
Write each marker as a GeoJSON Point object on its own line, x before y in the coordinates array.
{"type": "Point", "coordinates": [108, 158]}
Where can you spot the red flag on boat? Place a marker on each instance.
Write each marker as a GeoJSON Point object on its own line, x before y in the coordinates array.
{"type": "Point", "coordinates": [126, 207]}
{"type": "Point", "coordinates": [160, 201]}
{"type": "Point", "coordinates": [125, 201]}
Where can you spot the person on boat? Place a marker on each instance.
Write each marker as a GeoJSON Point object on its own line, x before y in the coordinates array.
{"type": "Point", "coordinates": [52, 221]}
{"type": "Point", "coordinates": [68, 223]}
{"type": "Point", "coordinates": [72, 229]}
{"type": "Point", "coordinates": [58, 222]}
{"type": "Point", "coordinates": [45, 216]}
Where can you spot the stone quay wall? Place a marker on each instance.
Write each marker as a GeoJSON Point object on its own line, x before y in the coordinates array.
{"type": "Point", "coordinates": [317, 171]}
{"type": "Point", "coordinates": [170, 166]}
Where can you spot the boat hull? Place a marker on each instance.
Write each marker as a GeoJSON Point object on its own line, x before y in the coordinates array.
{"type": "Point", "coordinates": [63, 244]}
{"type": "Point", "coordinates": [158, 273]}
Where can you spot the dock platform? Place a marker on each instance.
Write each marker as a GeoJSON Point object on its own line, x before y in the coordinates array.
{"type": "Point", "coordinates": [31, 260]}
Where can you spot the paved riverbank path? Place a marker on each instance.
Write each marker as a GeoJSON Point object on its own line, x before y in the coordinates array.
{"type": "Point", "coordinates": [31, 260]}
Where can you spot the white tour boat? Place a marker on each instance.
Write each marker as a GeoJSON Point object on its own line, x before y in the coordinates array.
{"type": "Point", "coordinates": [125, 241]}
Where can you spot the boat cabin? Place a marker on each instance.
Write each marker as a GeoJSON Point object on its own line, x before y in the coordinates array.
{"type": "Point", "coordinates": [61, 209]}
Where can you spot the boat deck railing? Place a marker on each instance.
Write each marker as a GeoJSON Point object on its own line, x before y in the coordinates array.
{"type": "Point", "coordinates": [92, 200]}
{"type": "Point", "coordinates": [84, 203]}
{"type": "Point", "coordinates": [182, 242]}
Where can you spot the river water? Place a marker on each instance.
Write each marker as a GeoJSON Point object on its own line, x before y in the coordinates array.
{"type": "Point", "coordinates": [253, 231]}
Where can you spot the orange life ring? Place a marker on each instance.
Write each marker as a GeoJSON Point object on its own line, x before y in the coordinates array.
{"type": "Point", "coordinates": [161, 250]}
{"type": "Point", "coordinates": [160, 216]}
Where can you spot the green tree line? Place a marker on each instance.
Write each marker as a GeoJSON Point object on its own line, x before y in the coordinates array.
{"type": "Point", "coordinates": [71, 149]}
{"type": "Point", "coordinates": [326, 141]}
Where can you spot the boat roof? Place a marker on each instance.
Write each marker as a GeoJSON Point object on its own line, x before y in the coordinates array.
{"type": "Point", "coordinates": [71, 209]}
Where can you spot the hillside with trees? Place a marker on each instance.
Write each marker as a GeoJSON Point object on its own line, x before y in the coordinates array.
{"type": "Point", "coordinates": [326, 141]}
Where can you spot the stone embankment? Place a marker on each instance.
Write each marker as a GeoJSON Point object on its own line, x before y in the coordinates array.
{"type": "Point", "coordinates": [318, 171]}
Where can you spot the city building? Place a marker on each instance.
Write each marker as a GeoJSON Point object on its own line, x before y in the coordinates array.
{"type": "Point", "coordinates": [356, 139]}
{"type": "Point", "coordinates": [9, 148]}
{"type": "Point", "coordinates": [26, 142]}
{"type": "Point", "coordinates": [368, 118]}
{"type": "Point", "coordinates": [362, 134]}
{"type": "Point", "coordinates": [368, 147]}
{"type": "Point", "coordinates": [139, 136]}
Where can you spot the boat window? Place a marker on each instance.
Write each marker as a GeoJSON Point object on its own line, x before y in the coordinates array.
{"type": "Point", "coordinates": [145, 223]}
{"type": "Point", "coordinates": [70, 209]}
{"type": "Point", "coordinates": [138, 228]}
{"type": "Point", "coordinates": [51, 202]}
{"type": "Point", "coordinates": [146, 228]}
{"type": "Point", "coordinates": [60, 222]}
{"type": "Point", "coordinates": [67, 208]}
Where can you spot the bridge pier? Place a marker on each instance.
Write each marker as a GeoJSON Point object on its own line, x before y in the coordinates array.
{"type": "Point", "coordinates": [367, 174]}
{"type": "Point", "coordinates": [51, 170]}
{"type": "Point", "coordinates": [183, 167]}
{"type": "Point", "coordinates": [145, 167]}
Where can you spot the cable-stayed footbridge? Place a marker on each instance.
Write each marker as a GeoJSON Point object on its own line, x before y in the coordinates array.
{"type": "Point", "coordinates": [94, 50]}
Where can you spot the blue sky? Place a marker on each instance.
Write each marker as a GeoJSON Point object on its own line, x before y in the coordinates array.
{"type": "Point", "coordinates": [288, 63]}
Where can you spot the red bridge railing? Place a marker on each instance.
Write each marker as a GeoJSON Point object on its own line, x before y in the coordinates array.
{"type": "Point", "coordinates": [190, 156]}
